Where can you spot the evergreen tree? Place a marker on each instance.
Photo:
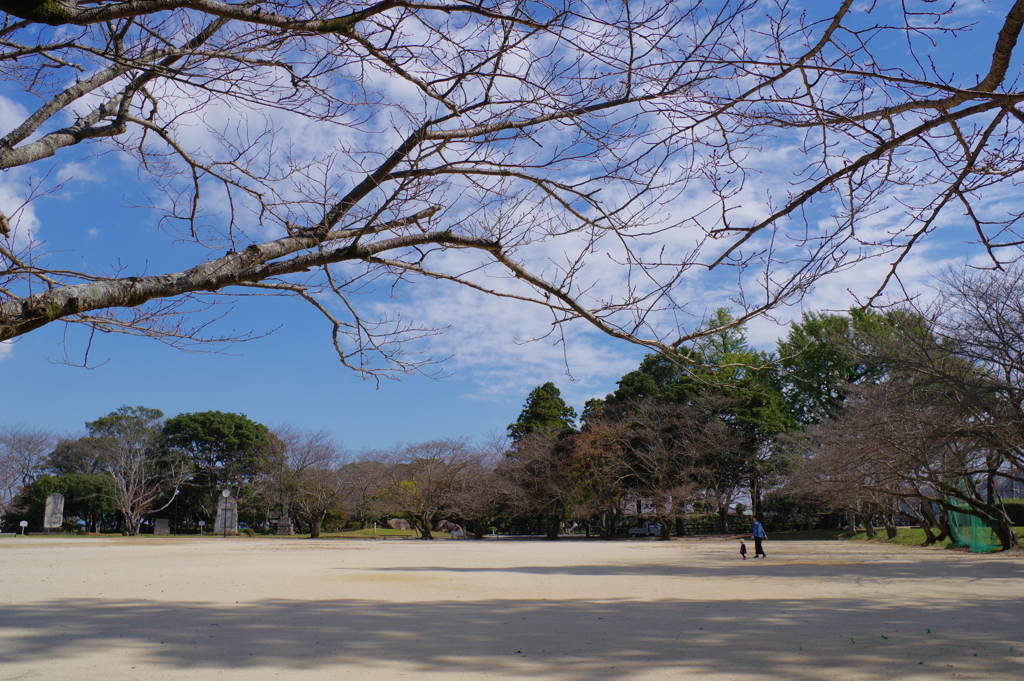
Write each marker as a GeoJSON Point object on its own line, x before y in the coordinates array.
{"type": "Point", "coordinates": [545, 410]}
{"type": "Point", "coordinates": [817, 363]}
{"type": "Point", "coordinates": [227, 451]}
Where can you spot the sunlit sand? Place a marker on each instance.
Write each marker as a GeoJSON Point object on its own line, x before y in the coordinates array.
{"type": "Point", "coordinates": [236, 608]}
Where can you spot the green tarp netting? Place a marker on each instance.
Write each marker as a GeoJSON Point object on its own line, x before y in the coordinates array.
{"type": "Point", "coordinates": [971, 531]}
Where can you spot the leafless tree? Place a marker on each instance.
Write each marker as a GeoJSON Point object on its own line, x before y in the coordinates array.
{"type": "Point", "coordinates": [943, 425]}
{"type": "Point", "coordinates": [674, 447]}
{"type": "Point", "coordinates": [517, 148]}
{"type": "Point", "coordinates": [23, 451]}
{"type": "Point", "coordinates": [363, 478]}
{"type": "Point", "coordinates": [598, 472]}
{"type": "Point", "coordinates": [895, 451]}
{"type": "Point", "coordinates": [144, 472]}
{"type": "Point", "coordinates": [314, 482]}
{"type": "Point", "coordinates": [979, 318]}
{"type": "Point", "coordinates": [480, 494]}
{"type": "Point", "coordinates": [424, 480]}
{"type": "Point", "coordinates": [645, 452]}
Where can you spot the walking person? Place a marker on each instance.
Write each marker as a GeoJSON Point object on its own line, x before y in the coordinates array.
{"type": "Point", "coordinates": [743, 549]}
{"type": "Point", "coordinates": [759, 536]}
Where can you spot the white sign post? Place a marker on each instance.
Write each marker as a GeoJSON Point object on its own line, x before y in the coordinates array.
{"type": "Point", "coordinates": [23, 524]}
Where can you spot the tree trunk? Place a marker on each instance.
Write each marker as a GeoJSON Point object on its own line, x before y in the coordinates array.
{"type": "Point", "coordinates": [926, 521]}
{"type": "Point", "coordinates": [1006, 534]}
{"type": "Point", "coordinates": [315, 521]}
{"type": "Point", "coordinates": [929, 537]}
{"type": "Point", "coordinates": [944, 525]}
{"type": "Point", "coordinates": [423, 525]}
{"type": "Point", "coordinates": [666, 528]}
{"type": "Point", "coordinates": [868, 527]}
{"type": "Point", "coordinates": [1004, 527]}
{"type": "Point", "coordinates": [890, 527]}
{"type": "Point", "coordinates": [606, 524]}
{"type": "Point", "coordinates": [755, 493]}
{"type": "Point", "coordinates": [132, 525]}
{"type": "Point", "coordinates": [552, 524]}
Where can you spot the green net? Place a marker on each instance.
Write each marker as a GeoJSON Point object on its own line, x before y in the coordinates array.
{"type": "Point", "coordinates": [970, 531]}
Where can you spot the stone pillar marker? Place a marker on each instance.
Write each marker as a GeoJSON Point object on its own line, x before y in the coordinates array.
{"type": "Point", "coordinates": [284, 525]}
{"type": "Point", "coordinates": [161, 526]}
{"type": "Point", "coordinates": [227, 514]}
{"type": "Point", "coordinates": [53, 517]}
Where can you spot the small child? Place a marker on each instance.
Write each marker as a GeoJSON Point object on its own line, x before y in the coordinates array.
{"type": "Point", "coordinates": [743, 549]}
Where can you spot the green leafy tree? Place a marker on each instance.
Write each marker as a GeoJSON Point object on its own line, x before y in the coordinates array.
{"type": "Point", "coordinates": [818, 363]}
{"type": "Point", "coordinates": [659, 378]}
{"type": "Point", "coordinates": [89, 497]}
{"type": "Point", "coordinates": [537, 465]}
{"type": "Point", "coordinates": [544, 411]}
{"type": "Point", "coordinates": [227, 451]}
{"type": "Point", "coordinates": [754, 408]}
{"type": "Point", "coordinates": [743, 384]}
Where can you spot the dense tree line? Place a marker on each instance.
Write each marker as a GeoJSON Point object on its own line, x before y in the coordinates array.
{"type": "Point", "coordinates": [888, 417]}
{"type": "Point", "coordinates": [904, 415]}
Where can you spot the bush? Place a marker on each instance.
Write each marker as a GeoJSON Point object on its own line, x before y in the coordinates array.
{"type": "Point", "coordinates": [1015, 509]}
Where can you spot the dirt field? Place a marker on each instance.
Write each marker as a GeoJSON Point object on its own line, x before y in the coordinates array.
{"type": "Point", "coordinates": [156, 609]}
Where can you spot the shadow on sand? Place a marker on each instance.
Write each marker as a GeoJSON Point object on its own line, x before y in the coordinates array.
{"type": "Point", "coordinates": [540, 639]}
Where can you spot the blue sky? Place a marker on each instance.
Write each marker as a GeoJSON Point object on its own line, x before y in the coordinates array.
{"type": "Point", "coordinates": [292, 376]}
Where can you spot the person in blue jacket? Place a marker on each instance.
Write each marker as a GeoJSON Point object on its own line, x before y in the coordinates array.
{"type": "Point", "coordinates": [759, 536]}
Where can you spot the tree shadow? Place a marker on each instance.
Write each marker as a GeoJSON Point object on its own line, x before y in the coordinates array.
{"type": "Point", "coordinates": [794, 639]}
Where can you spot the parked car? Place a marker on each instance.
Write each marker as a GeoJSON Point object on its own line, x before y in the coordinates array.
{"type": "Point", "coordinates": [645, 530]}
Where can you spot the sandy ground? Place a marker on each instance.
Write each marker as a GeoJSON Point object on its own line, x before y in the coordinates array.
{"type": "Point", "coordinates": [155, 609]}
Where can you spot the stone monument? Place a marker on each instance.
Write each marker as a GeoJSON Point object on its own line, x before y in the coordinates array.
{"type": "Point", "coordinates": [284, 525]}
{"type": "Point", "coordinates": [53, 517]}
{"type": "Point", "coordinates": [227, 514]}
{"type": "Point", "coordinates": [161, 526]}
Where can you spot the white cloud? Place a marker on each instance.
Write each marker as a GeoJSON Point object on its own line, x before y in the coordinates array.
{"type": "Point", "coordinates": [80, 172]}
{"type": "Point", "coordinates": [6, 349]}
{"type": "Point", "coordinates": [508, 347]}
{"type": "Point", "coordinates": [13, 204]}
{"type": "Point", "coordinates": [11, 115]}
